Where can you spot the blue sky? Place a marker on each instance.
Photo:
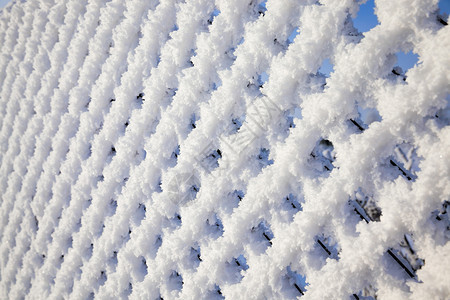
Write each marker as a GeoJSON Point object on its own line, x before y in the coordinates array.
{"type": "Point", "coordinates": [366, 20]}
{"type": "Point", "coordinates": [3, 3]}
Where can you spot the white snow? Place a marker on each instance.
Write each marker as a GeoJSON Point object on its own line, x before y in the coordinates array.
{"type": "Point", "coordinates": [194, 150]}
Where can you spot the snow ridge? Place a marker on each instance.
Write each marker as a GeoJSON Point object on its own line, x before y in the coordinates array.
{"type": "Point", "coordinates": [191, 149]}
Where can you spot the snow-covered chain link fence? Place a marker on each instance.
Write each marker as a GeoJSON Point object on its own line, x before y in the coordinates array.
{"type": "Point", "coordinates": [189, 149]}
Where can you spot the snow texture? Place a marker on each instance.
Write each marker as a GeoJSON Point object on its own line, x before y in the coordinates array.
{"type": "Point", "coordinates": [191, 149]}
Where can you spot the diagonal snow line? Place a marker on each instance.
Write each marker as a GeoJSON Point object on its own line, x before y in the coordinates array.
{"type": "Point", "coordinates": [3, 187]}
{"type": "Point", "coordinates": [15, 140]}
{"type": "Point", "coordinates": [31, 48]}
{"type": "Point", "coordinates": [85, 75]}
{"type": "Point", "coordinates": [157, 218]}
{"type": "Point", "coordinates": [126, 92]}
{"type": "Point", "coordinates": [79, 41]}
{"type": "Point", "coordinates": [164, 67]}
{"type": "Point", "coordinates": [37, 158]}
{"type": "Point", "coordinates": [9, 45]}
{"type": "Point", "coordinates": [179, 93]}
{"type": "Point", "coordinates": [7, 78]}
{"type": "Point", "coordinates": [70, 25]}
{"type": "Point", "coordinates": [13, 135]}
{"type": "Point", "coordinates": [4, 22]}
{"type": "Point", "coordinates": [120, 44]}
{"type": "Point", "coordinates": [5, 209]}
{"type": "Point", "coordinates": [10, 84]}
{"type": "Point", "coordinates": [20, 51]}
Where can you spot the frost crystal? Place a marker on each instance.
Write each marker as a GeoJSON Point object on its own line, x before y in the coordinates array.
{"type": "Point", "coordinates": [238, 149]}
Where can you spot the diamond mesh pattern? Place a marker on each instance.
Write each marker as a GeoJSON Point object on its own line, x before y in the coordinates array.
{"type": "Point", "coordinates": [191, 149]}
